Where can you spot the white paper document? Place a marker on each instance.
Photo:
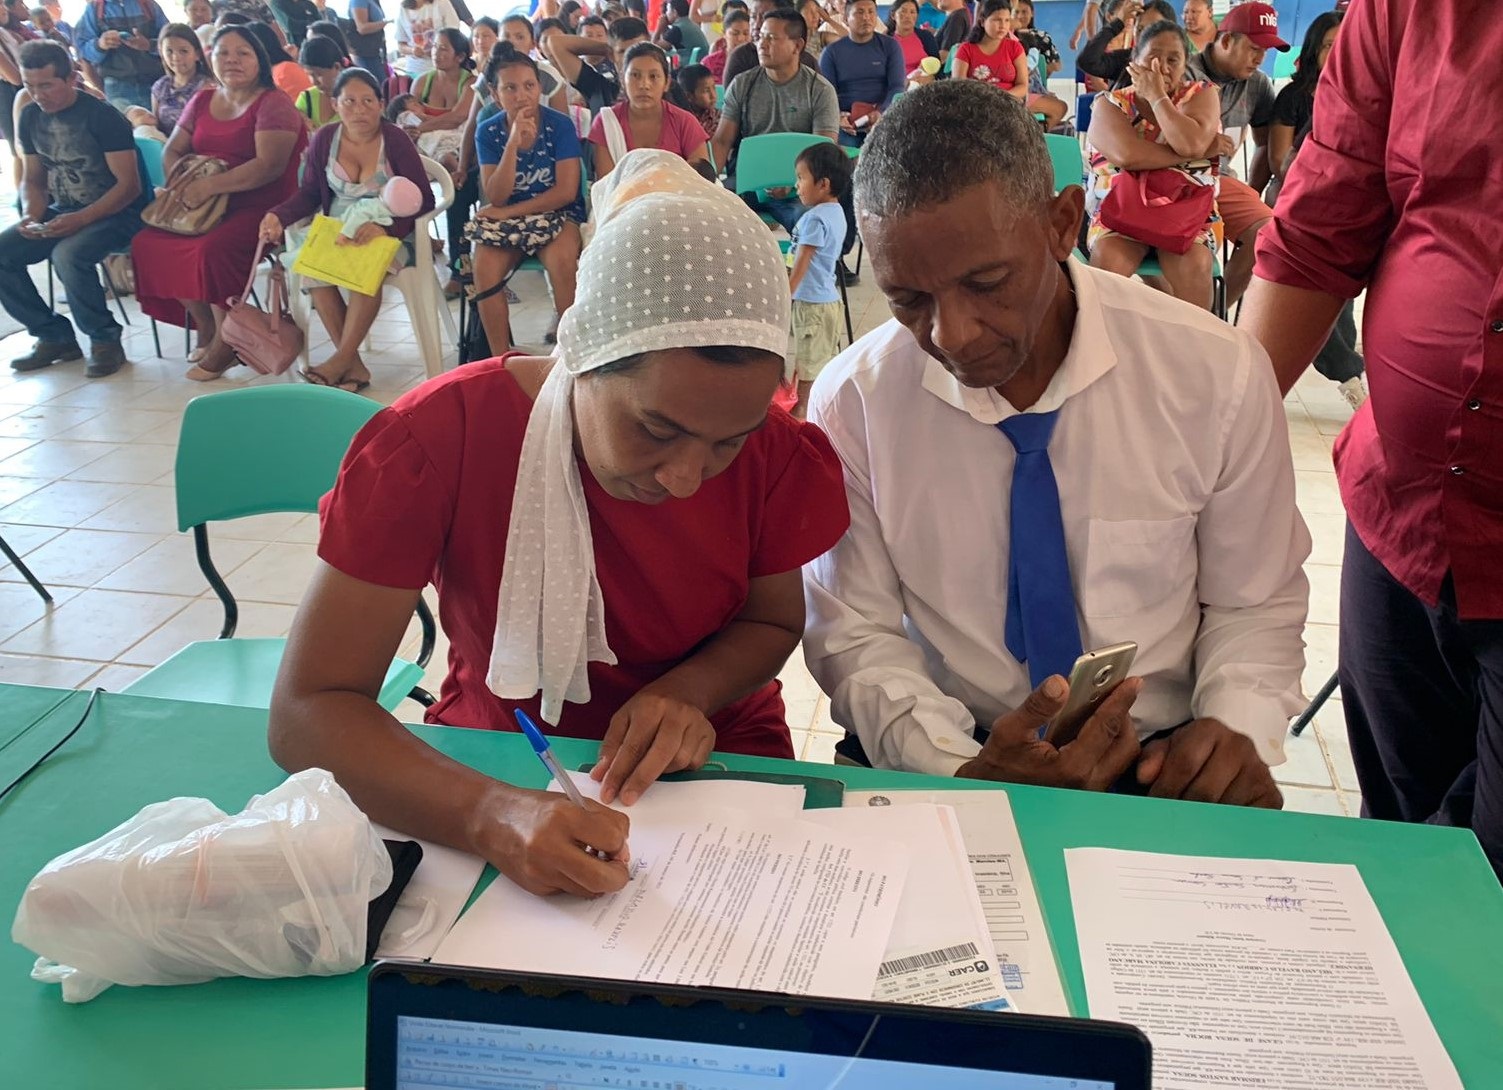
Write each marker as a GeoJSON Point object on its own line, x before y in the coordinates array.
{"type": "Point", "coordinates": [939, 953]}
{"type": "Point", "coordinates": [1251, 973]}
{"type": "Point", "coordinates": [999, 871]}
{"type": "Point", "coordinates": [726, 897]}
{"type": "Point", "coordinates": [432, 901]}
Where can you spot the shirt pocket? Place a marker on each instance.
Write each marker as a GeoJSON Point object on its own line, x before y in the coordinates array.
{"type": "Point", "coordinates": [1133, 565]}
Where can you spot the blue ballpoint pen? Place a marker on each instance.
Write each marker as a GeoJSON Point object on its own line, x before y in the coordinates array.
{"type": "Point", "coordinates": [544, 751]}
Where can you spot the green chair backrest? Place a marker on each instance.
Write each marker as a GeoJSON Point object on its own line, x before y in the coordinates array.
{"type": "Point", "coordinates": [695, 54]}
{"type": "Point", "coordinates": [263, 449]}
{"type": "Point", "coordinates": [1284, 64]}
{"type": "Point", "coordinates": [1069, 164]}
{"type": "Point", "coordinates": [150, 152]}
{"type": "Point", "coordinates": [764, 162]}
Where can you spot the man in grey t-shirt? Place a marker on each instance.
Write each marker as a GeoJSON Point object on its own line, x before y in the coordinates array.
{"type": "Point", "coordinates": [780, 95]}
{"type": "Point", "coordinates": [1231, 63]}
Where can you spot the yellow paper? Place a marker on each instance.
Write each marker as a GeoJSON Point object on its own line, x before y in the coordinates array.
{"type": "Point", "coordinates": [359, 268]}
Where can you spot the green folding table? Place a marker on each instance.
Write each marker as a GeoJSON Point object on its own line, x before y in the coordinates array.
{"type": "Point", "coordinates": [1439, 898]}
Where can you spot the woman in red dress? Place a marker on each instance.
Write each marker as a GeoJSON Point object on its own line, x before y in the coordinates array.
{"type": "Point", "coordinates": [620, 526]}
{"type": "Point", "coordinates": [260, 135]}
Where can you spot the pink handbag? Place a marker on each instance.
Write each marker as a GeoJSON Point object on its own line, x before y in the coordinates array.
{"type": "Point", "coordinates": [266, 341]}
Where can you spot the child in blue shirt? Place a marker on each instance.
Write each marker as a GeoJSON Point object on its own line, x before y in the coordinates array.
{"type": "Point", "coordinates": [823, 171]}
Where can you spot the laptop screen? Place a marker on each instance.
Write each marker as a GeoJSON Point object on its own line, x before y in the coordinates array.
{"type": "Point", "coordinates": [440, 1054]}
{"type": "Point", "coordinates": [435, 1027]}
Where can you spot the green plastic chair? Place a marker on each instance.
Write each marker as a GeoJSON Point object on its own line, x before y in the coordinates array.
{"type": "Point", "coordinates": [695, 54]}
{"type": "Point", "coordinates": [1065, 155]}
{"type": "Point", "coordinates": [766, 162]}
{"type": "Point", "coordinates": [251, 452]}
{"type": "Point", "coordinates": [1284, 64]}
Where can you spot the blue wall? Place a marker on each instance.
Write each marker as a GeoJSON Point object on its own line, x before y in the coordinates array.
{"type": "Point", "coordinates": [1059, 17]}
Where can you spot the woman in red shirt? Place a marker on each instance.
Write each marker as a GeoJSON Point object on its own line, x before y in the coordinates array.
{"type": "Point", "coordinates": [991, 54]}
{"type": "Point", "coordinates": [648, 509]}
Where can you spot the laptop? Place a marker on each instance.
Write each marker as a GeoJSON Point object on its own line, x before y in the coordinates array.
{"type": "Point", "coordinates": [436, 1027]}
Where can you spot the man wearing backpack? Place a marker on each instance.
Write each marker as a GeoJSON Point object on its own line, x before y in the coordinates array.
{"type": "Point", "coordinates": [119, 38]}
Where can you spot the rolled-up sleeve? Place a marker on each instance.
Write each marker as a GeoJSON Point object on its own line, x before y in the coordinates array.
{"type": "Point", "coordinates": [1336, 211]}
{"type": "Point", "coordinates": [1251, 544]}
{"type": "Point", "coordinates": [854, 640]}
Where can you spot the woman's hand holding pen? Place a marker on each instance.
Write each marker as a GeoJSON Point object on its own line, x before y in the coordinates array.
{"type": "Point", "coordinates": [542, 841]}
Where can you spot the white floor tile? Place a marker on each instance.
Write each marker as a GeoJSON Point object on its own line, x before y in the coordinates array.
{"type": "Point", "coordinates": [80, 558]}
{"type": "Point", "coordinates": [819, 748]}
{"type": "Point", "coordinates": [170, 566]}
{"type": "Point", "coordinates": [23, 539]}
{"type": "Point", "coordinates": [1320, 656]}
{"type": "Point", "coordinates": [120, 427]}
{"type": "Point", "coordinates": [95, 624]}
{"type": "Point", "coordinates": [65, 503]}
{"type": "Point", "coordinates": [44, 421]}
{"type": "Point", "coordinates": [278, 573]}
{"type": "Point", "coordinates": [34, 670]}
{"type": "Point", "coordinates": [12, 445]}
{"type": "Point", "coordinates": [145, 509]}
{"type": "Point", "coordinates": [203, 620]}
{"type": "Point", "coordinates": [1330, 725]}
{"type": "Point", "coordinates": [21, 607]}
{"type": "Point", "coordinates": [1309, 800]}
{"type": "Point", "coordinates": [1327, 536]}
{"type": "Point", "coordinates": [143, 464]}
{"type": "Point", "coordinates": [256, 527]}
{"type": "Point", "coordinates": [1325, 593]}
{"type": "Point", "coordinates": [54, 458]}
{"type": "Point", "coordinates": [1316, 492]}
{"type": "Point", "coordinates": [115, 677]}
{"type": "Point", "coordinates": [1304, 762]}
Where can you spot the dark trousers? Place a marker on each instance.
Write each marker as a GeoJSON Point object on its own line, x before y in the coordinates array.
{"type": "Point", "coordinates": [458, 216]}
{"type": "Point", "coordinates": [1338, 359]}
{"type": "Point", "coordinates": [1423, 692]}
{"type": "Point", "coordinates": [76, 260]}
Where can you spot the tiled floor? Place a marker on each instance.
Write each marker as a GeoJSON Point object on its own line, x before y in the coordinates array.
{"type": "Point", "coordinates": [86, 497]}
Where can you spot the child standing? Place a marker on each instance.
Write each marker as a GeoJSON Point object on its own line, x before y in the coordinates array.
{"type": "Point", "coordinates": [823, 171]}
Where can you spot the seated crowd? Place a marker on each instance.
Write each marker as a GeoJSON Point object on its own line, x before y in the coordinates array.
{"type": "Point", "coordinates": [630, 540]}
{"type": "Point", "coordinates": [526, 115]}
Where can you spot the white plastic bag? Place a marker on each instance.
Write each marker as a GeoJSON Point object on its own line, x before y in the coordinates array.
{"type": "Point", "coordinates": [183, 893]}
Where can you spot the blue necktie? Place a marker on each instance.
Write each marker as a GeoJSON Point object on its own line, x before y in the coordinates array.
{"type": "Point", "coordinates": [1041, 627]}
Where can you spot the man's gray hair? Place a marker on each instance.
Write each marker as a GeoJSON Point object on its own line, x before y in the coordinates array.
{"type": "Point", "coordinates": [945, 138]}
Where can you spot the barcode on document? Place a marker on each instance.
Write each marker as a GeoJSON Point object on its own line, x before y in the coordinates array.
{"type": "Point", "coordinates": [963, 952]}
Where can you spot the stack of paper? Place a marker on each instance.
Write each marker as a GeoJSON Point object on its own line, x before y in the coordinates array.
{"type": "Point", "coordinates": [996, 875]}
{"type": "Point", "coordinates": [1251, 973]}
{"type": "Point", "coordinates": [731, 888]}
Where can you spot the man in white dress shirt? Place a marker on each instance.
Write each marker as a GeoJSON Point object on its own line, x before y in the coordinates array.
{"type": "Point", "coordinates": [1175, 489]}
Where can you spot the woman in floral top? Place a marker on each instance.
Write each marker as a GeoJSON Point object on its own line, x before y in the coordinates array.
{"type": "Point", "coordinates": [1159, 121]}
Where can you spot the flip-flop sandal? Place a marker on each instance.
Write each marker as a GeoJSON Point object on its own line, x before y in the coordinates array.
{"type": "Point", "coordinates": [353, 385]}
{"type": "Point", "coordinates": [313, 378]}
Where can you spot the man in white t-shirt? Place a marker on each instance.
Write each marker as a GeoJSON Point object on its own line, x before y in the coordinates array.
{"type": "Point", "coordinates": [1042, 458]}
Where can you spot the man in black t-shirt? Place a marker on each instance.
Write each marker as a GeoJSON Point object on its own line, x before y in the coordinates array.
{"type": "Point", "coordinates": [81, 200]}
{"type": "Point", "coordinates": [956, 26]}
{"type": "Point", "coordinates": [599, 86]}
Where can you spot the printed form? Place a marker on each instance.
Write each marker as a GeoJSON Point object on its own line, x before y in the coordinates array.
{"type": "Point", "coordinates": [999, 871]}
{"type": "Point", "coordinates": [730, 897]}
{"type": "Point", "coordinates": [939, 953]}
{"type": "Point", "coordinates": [1251, 973]}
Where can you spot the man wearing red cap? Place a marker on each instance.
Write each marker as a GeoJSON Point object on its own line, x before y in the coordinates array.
{"type": "Point", "coordinates": [1246, 34]}
{"type": "Point", "coordinates": [1396, 190]}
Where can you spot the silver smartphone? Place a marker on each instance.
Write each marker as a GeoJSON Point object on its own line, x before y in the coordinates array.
{"type": "Point", "coordinates": [1094, 676]}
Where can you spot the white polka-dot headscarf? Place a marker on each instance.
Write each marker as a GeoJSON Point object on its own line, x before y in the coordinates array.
{"type": "Point", "coordinates": [676, 262]}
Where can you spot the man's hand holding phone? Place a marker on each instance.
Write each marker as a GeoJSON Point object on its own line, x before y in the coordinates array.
{"type": "Point", "coordinates": [1105, 748]}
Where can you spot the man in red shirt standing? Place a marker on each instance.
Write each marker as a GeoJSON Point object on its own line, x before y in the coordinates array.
{"type": "Point", "coordinates": [1397, 191]}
